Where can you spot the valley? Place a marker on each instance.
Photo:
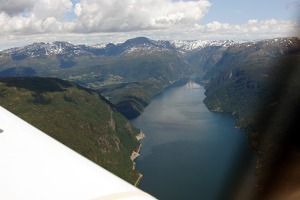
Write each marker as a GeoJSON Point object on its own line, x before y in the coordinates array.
{"type": "Point", "coordinates": [137, 64]}
{"type": "Point", "coordinates": [256, 81]}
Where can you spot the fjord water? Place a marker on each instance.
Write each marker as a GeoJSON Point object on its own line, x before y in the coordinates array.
{"type": "Point", "coordinates": [189, 152]}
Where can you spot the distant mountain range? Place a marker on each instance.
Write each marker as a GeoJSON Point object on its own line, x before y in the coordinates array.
{"type": "Point", "coordinates": [110, 49]}
{"type": "Point", "coordinates": [137, 63]}
{"type": "Point", "coordinates": [68, 49]}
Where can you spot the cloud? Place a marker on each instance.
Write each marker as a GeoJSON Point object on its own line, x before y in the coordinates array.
{"type": "Point", "coordinates": [115, 20]}
{"type": "Point", "coordinates": [252, 29]}
{"type": "Point", "coordinates": [90, 16]}
{"type": "Point", "coordinates": [252, 21]}
{"type": "Point", "coordinates": [212, 31]}
{"type": "Point", "coordinates": [217, 26]}
{"type": "Point", "coordinates": [129, 15]}
{"type": "Point", "coordinates": [44, 9]}
{"type": "Point", "coordinates": [38, 16]}
{"type": "Point", "coordinates": [12, 7]}
{"type": "Point", "coordinates": [263, 26]}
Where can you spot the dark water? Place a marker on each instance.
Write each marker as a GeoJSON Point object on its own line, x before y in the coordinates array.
{"type": "Point", "coordinates": [189, 152]}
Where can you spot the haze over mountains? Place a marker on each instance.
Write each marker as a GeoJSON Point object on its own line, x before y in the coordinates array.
{"type": "Point", "coordinates": [237, 75]}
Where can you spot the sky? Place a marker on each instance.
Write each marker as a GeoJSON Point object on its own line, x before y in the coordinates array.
{"type": "Point", "coordinates": [102, 21]}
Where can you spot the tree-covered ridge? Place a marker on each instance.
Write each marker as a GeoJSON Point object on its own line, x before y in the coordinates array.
{"type": "Point", "coordinates": [260, 85]}
{"type": "Point", "coordinates": [79, 118]}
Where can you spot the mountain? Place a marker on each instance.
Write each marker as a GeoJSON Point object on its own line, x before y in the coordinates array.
{"type": "Point", "coordinates": [259, 83]}
{"type": "Point", "coordinates": [188, 46]}
{"type": "Point", "coordinates": [203, 54]}
{"type": "Point", "coordinates": [46, 49]}
{"type": "Point", "coordinates": [65, 48]}
{"type": "Point", "coordinates": [244, 72]}
{"type": "Point", "coordinates": [148, 62]}
{"type": "Point", "coordinates": [139, 44]}
{"type": "Point", "coordinates": [130, 74]}
{"type": "Point", "coordinates": [77, 117]}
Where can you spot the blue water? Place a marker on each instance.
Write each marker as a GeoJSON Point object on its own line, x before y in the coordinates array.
{"type": "Point", "coordinates": [189, 152]}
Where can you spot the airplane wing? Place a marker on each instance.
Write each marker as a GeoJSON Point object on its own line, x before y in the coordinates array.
{"type": "Point", "coordinates": [34, 166]}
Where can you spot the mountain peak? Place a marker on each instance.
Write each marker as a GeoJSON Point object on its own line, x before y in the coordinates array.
{"type": "Point", "coordinates": [137, 41]}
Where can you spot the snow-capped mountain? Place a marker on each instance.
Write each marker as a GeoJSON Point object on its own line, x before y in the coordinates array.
{"type": "Point", "coordinates": [140, 45]}
{"type": "Point", "coordinates": [187, 46]}
{"type": "Point", "coordinates": [99, 46]}
{"type": "Point", "coordinates": [46, 49]}
{"type": "Point", "coordinates": [137, 59]}
{"type": "Point", "coordinates": [135, 45]}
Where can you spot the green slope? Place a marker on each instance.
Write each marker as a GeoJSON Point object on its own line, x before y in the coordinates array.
{"type": "Point", "coordinates": [153, 70]}
{"type": "Point", "coordinates": [131, 98]}
{"type": "Point", "coordinates": [244, 75]}
{"type": "Point", "coordinates": [77, 117]}
{"type": "Point", "coordinates": [259, 83]}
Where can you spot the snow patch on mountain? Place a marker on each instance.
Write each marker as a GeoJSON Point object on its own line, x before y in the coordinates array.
{"type": "Point", "coordinates": [140, 45]}
{"type": "Point", "coordinates": [146, 48]}
{"type": "Point", "coordinates": [99, 46]}
{"type": "Point", "coordinates": [186, 46]}
{"type": "Point", "coordinates": [47, 49]}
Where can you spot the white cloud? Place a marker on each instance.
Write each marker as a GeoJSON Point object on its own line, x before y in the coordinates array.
{"type": "Point", "coordinates": [270, 22]}
{"type": "Point", "coordinates": [115, 20]}
{"type": "Point", "coordinates": [49, 8]}
{"type": "Point", "coordinates": [214, 26]}
{"type": "Point", "coordinates": [77, 9]}
{"type": "Point", "coordinates": [129, 15]}
{"type": "Point", "coordinates": [252, 21]}
{"type": "Point", "coordinates": [99, 15]}
{"type": "Point", "coordinates": [38, 16]}
{"type": "Point", "coordinates": [214, 30]}
{"type": "Point", "coordinates": [217, 26]}
{"type": "Point", "coordinates": [252, 29]}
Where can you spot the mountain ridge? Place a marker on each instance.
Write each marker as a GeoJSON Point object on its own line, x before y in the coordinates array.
{"type": "Point", "coordinates": [153, 64]}
{"type": "Point", "coordinates": [62, 47]}
{"type": "Point", "coordinates": [259, 84]}
{"type": "Point", "coordinates": [78, 117]}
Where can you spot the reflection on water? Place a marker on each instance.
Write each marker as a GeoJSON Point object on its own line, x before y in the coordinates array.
{"type": "Point", "coordinates": [189, 152]}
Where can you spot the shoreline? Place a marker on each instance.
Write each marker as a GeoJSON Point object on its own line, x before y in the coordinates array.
{"type": "Point", "coordinates": [138, 180]}
{"type": "Point", "coordinates": [136, 154]}
{"type": "Point", "coordinates": [140, 136]}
